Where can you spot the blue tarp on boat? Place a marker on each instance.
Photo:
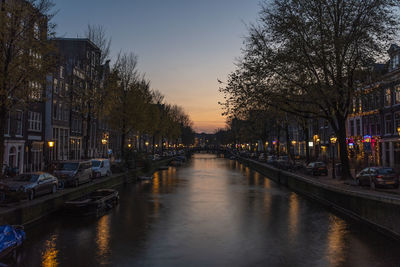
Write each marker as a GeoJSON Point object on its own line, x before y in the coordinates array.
{"type": "Point", "coordinates": [10, 237]}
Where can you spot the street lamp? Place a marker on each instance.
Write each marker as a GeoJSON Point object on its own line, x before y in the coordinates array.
{"type": "Point", "coordinates": [51, 144]}
{"type": "Point", "coordinates": [333, 142]}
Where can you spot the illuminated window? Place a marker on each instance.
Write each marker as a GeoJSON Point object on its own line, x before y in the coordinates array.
{"type": "Point", "coordinates": [388, 97]}
{"type": "Point", "coordinates": [34, 121]}
{"type": "Point", "coordinates": [397, 95]}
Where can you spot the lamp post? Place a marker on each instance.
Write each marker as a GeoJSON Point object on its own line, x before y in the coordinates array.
{"type": "Point", "coordinates": [333, 142]}
{"type": "Point", "coordinates": [50, 144]}
{"type": "Point", "coordinates": [147, 146]}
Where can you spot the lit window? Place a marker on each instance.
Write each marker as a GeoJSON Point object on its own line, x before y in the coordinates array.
{"type": "Point", "coordinates": [397, 96]}
{"type": "Point", "coordinates": [388, 97]}
{"type": "Point", "coordinates": [36, 30]}
{"type": "Point", "coordinates": [34, 121]}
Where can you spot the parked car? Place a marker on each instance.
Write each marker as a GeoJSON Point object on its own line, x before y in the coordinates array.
{"type": "Point", "coordinates": [30, 184]}
{"type": "Point", "coordinates": [271, 160]}
{"type": "Point", "coordinates": [378, 177]}
{"type": "Point", "coordinates": [101, 167]}
{"type": "Point", "coordinates": [284, 164]}
{"type": "Point", "coordinates": [262, 158]}
{"type": "Point", "coordinates": [154, 157]}
{"type": "Point", "coordinates": [317, 168]}
{"type": "Point", "coordinates": [74, 173]}
{"type": "Point", "coordinates": [284, 158]}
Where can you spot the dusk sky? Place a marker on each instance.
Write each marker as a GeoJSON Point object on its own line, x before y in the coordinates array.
{"type": "Point", "coordinates": [183, 46]}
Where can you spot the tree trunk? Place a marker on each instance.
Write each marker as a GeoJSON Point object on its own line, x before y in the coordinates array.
{"type": "Point", "coordinates": [288, 144]}
{"type": "Point", "coordinates": [3, 118]}
{"type": "Point", "coordinates": [306, 138]}
{"type": "Point", "coordinates": [154, 140]}
{"type": "Point", "coordinates": [123, 140]}
{"type": "Point", "coordinates": [88, 132]}
{"type": "Point", "coordinates": [341, 135]}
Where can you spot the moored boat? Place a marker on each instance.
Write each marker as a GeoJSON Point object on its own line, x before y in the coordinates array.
{"type": "Point", "coordinates": [11, 237]}
{"type": "Point", "coordinates": [95, 203]}
{"type": "Point", "coordinates": [143, 178]}
{"type": "Point", "coordinates": [162, 168]}
{"type": "Point", "coordinates": [176, 163]}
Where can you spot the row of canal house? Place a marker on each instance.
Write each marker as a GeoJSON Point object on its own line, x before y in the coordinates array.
{"type": "Point", "coordinates": [53, 126]}
{"type": "Point", "coordinates": [376, 117]}
{"type": "Point", "coordinates": [373, 126]}
{"type": "Point", "coordinates": [24, 126]}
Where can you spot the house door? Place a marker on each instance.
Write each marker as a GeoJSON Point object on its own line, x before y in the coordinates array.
{"type": "Point", "coordinates": [12, 157]}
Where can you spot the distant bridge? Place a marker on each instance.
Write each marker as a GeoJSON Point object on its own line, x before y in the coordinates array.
{"type": "Point", "coordinates": [211, 150]}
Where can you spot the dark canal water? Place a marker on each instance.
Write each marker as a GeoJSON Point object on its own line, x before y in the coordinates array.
{"type": "Point", "coordinates": [210, 212]}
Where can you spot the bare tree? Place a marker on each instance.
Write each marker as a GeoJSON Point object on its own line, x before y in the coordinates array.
{"type": "Point", "coordinates": [307, 57]}
{"type": "Point", "coordinates": [97, 34]}
{"type": "Point", "coordinates": [24, 55]}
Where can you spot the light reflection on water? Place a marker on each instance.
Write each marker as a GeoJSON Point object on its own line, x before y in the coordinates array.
{"type": "Point", "coordinates": [209, 212]}
{"type": "Point", "coordinates": [293, 216]}
{"type": "Point", "coordinates": [49, 256]}
{"type": "Point", "coordinates": [103, 237]}
{"type": "Point", "coordinates": [336, 241]}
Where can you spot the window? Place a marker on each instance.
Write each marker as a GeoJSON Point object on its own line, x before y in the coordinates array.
{"type": "Point", "coordinates": [388, 124]}
{"type": "Point", "coordinates": [351, 128]}
{"type": "Point", "coordinates": [66, 114]}
{"type": "Point", "coordinates": [18, 120]}
{"type": "Point", "coordinates": [36, 30]}
{"type": "Point", "coordinates": [358, 127]}
{"type": "Point", "coordinates": [60, 87]}
{"type": "Point", "coordinates": [397, 121]}
{"type": "Point", "coordinates": [388, 97]}
{"type": "Point", "coordinates": [356, 105]}
{"type": "Point", "coordinates": [372, 123]}
{"type": "Point", "coordinates": [55, 111]}
{"type": "Point", "coordinates": [34, 121]}
{"type": "Point", "coordinates": [55, 86]}
{"type": "Point", "coordinates": [395, 61]}
{"type": "Point", "coordinates": [378, 126]}
{"type": "Point", "coordinates": [371, 102]}
{"type": "Point", "coordinates": [61, 72]}
{"type": "Point", "coordinates": [35, 90]}
{"type": "Point", "coordinates": [7, 128]}
{"type": "Point", "coordinates": [397, 95]}
{"type": "Point", "coordinates": [366, 126]}
{"type": "Point", "coordinates": [60, 112]}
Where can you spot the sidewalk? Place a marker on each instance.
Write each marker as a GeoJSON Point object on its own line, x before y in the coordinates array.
{"type": "Point", "coordinates": [350, 184]}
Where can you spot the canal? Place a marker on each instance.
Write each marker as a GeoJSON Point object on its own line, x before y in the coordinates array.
{"type": "Point", "coordinates": [209, 212]}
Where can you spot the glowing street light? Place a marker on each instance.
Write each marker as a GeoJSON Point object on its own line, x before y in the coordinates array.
{"type": "Point", "coordinates": [51, 143]}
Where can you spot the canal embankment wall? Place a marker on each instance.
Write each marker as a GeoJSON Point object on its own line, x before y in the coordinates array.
{"type": "Point", "coordinates": [27, 212]}
{"type": "Point", "coordinates": [382, 212]}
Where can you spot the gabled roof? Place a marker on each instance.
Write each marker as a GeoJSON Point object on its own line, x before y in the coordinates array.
{"type": "Point", "coordinates": [393, 49]}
